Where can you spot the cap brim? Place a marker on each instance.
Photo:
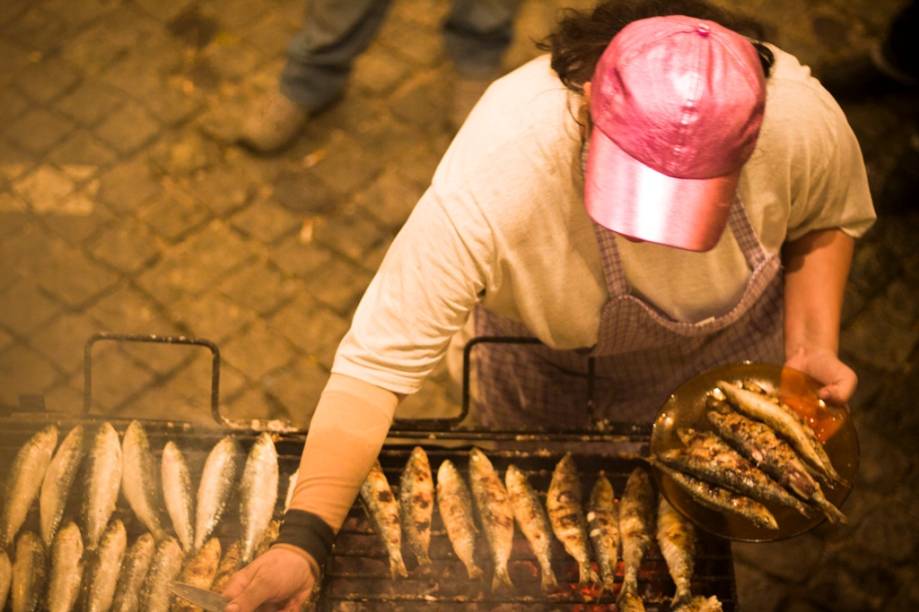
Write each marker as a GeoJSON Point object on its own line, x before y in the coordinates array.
{"type": "Point", "coordinates": [628, 197]}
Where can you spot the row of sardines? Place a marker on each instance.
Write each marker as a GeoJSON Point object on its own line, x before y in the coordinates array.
{"type": "Point", "coordinates": [593, 538]}
{"type": "Point", "coordinates": [85, 561]}
{"type": "Point", "coordinates": [760, 452]}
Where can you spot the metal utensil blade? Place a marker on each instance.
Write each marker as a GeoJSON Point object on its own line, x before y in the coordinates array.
{"type": "Point", "coordinates": [207, 600]}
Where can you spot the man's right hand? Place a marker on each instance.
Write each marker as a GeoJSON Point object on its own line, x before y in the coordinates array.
{"type": "Point", "coordinates": [280, 579]}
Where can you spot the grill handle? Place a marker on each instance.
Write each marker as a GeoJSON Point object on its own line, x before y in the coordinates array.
{"type": "Point", "coordinates": [153, 339]}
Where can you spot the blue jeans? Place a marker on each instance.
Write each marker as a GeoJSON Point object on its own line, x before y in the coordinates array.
{"type": "Point", "coordinates": [335, 32]}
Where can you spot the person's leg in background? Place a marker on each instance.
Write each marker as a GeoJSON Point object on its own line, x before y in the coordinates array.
{"type": "Point", "coordinates": [319, 60]}
{"type": "Point", "coordinates": [477, 33]}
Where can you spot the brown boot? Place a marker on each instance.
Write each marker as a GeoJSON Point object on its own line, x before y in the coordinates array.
{"type": "Point", "coordinates": [274, 123]}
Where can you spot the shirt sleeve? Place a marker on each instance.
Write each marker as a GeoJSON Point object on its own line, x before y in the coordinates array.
{"type": "Point", "coordinates": [431, 277]}
{"type": "Point", "coordinates": [832, 184]}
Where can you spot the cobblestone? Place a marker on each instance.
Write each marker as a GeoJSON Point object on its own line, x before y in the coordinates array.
{"type": "Point", "coordinates": [127, 185]}
{"type": "Point", "coordinates": [24, 372]}
{"type": "Point", "coordinates": [128, 247]}
{"type": "Point", "coordinates": [25, 306]}
{"type": "Point", "coordinates": [126, 129]}
{"type": "Point", "coordinates": [48, 79]}
{"type": "Point", "coordinates": [266, 222]}
{"type": "Point", "coordinates": [90, 103]}
{"type": "Point", "coordinates": [38, 130]}
{"type": "Point", "coordinates": [259, 288]}
{"type": "Point", "coordinates": [313, 329]}
{"type": "Point", "coordinates": [293, 392]}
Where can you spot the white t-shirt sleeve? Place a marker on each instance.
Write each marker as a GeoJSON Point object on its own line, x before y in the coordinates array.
{"type": "Point", "coordinates": [429, 281]}
{"type": "Point", "coordinates": [831, 190]}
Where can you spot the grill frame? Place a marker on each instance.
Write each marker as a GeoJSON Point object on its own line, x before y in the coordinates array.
{"type": "Point", "coordinates": [535, 452]}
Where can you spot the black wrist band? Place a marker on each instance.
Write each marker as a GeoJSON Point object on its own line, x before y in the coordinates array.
{"type": "Point", "coordinates": [307, 531]}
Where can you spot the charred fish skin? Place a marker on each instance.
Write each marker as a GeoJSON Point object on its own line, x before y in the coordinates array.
{"type": "Point", "coordinates": [258, 493]}
{"type": "Point", "coordinates": [699, 604]}
{"type": "Point", "coordinates": [533, 522]}
{"type": "Point", "coordinates": [636, 516]}
{"type": "Point", "coordinates": [416, 497]}
{"type": "Point", "coordinates": [454, 502]}
{"type": "Point", "coordinates": [156, 595]}
{"type": "Point", "coordinates": [719, 499]}
{"type": "Point", "coordinates": [676, 538]}
{"type": "Point", "coordinates": [708, 457]}
{"type": "Point", "coordinates": [563, 502]}
{"type": "Point", "coordinates": [104, 482]}
{"type": "Point", "coordinates": [140, 479]}
{"type": "Point", "coordinates": [25, 479]}
{"type": "Point", "coordinates": [495, 512]}
{"type": "Point", "coordinates": [759, 443]}
{"type": "Point", "coordinates": [66, 569]}
{"type": "Point", "coordinates": [227, 567]}
{"type": "Point", "coordinates": [29, 573]}
{"type": "Point", "coordinates": [6, 575]}
{"type": "Point", "coordinates": [785, 421]}
{"type": "Point", "coordinates": [383, 511]}
{"type": "Point", "coordinates": [59, 477]}
{"type": "Point", "coordinates": [217, 480]}
{"type": "Point", "coordinates": [603, 526]}
{"type": "Point", "coordinates": [177, 495]}
{"type": "Point", "coordinates": [200, 571]}
{"type": "Point", "coordinates": [133, 574]}
{"type": "Point", "coordinates": [105, 568]}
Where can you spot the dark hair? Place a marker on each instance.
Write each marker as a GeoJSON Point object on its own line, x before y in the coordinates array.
{"type": "Point", "coordinates": [581, 37]}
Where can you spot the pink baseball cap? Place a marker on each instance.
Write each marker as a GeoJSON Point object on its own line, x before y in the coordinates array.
{"type": "Point", "coordinates": [676, 104]}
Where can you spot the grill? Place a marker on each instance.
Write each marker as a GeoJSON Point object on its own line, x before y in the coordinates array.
{"type": "Point", "coordinates": [357, 574]}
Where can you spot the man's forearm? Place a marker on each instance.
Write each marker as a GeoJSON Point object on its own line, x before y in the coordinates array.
{"type": "Point", "coordinates": [345, 436]}
{"type": "Point", "coordinates": [816, 269]}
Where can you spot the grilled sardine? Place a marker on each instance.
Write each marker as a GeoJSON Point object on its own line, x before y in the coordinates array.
{"type": "Point", "coordinates": [29, 573]}
{"type": "Point", "coordinates": [140, 480]}
{"type": "Point", "coordinates": [636, 516]}
{"type": "Point", "coordinates": [6, 575]}
{"type": "Point", "coordinates": [105, 568]}
{"type": "Point", "coordinates": [59, 476]}
{"type": "Point", "coordinates": [66, 569]}
{"type": "Point", "coordinates": [258, 493]}
{"type": "Point", "coordinates": [217, 480]}
{"type": "Point", "coordinates": [784, 421]}
{"type": "Point", "coordinates": [708, 457]}
{"type": "Point", "coordinates": [495, 512]}
{"type": "Point", "coordinates": [24, 480]}
{"type": "Point", "coordinates": [227, 567]}
{"type": "Point", "coordinates": [104, 481]}
{"type": "Point", "coordinates": [603, 525]}
{"type": "Point", "coordinates": [156, 596]}
{"type": "Point", "coordinates": [759, 443]}
{"type": "Point", "coordinates": [383, 511]}
{"type": "Point", "coordinates": [133, 574]}
{"type": "Point", "coordinates": [533, 522]}
{"type": "Point", "coordinates": [177, 495]}
{"type": "Point", "coordinates": [200, 572]}
{"type": "Point", "coordinates": [416, 500]}
{"type": "Point", "coordinates": [719, 499]}
{"type": "Point", "coordinates": [563, 501]}
{"type": "Point", "coordinates": [455, 505]}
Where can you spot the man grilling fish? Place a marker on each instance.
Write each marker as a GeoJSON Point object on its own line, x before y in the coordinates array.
{"type": "Point", "coordinates": [658, 195]}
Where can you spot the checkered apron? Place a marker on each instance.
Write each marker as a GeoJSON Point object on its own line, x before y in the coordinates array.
{"type": "Point", "coordinates": [641, 354]}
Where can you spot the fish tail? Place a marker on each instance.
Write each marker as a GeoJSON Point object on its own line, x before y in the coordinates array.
{"type": "Point", "coordinates": [397, 566]}
{"type": "Point", "coordinates": [586, 573]}
{"type": "Point", "coordinates": [475, 572]}
{"type": "Point", "coordinates": [548, 581]}
{"type": "Point", "coordinates": [833, 514]}
{"type": "Point", "coordinates": [423, 557]}
{"type": "Point", "coordinates": [501, 578]}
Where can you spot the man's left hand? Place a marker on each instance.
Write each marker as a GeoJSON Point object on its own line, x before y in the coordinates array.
{"type": "Point", "coordinates": [839, 380]}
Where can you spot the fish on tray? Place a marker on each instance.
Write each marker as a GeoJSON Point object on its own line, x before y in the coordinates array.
{"type": "Point", "coordinates": [140, 480]}
{"type": "Point", "coordinates": [177, 494]}
{"type": "Point", "coordinates": [636, 514]}
{"type": "Point", "coordinates": [416, 502]}
{"type": "Point", "coordinates": [136, 566]}
{"type": "Point", "coordinates": [563, 502]}
{"type": "Point", "coordinates": [719, 499]}
{"type": "Point", "coordinates": [105, 567]}
{"type": "Point", "coordinates": [785, 422]}
{"type": "Point", "coordinates": [6, 574]}
{"type": "Point", "coordinates": [199, 571]}
{"type": "Point", "coordinates": [59, 477]}
{"type": "Point", "coordinates": [533, 522]}
{"type": "Point", "coordinates": [676, 538]}
{"type": "Point", "coordinates": [29, 573]}
{"type": "Point", "coordinates": [759, 443]}
{"type": "Point", "coordinates": [708, 457]}
{"type": "Point", "coordinates": [603, 523]}
{"type": "Point", "coordinates": [495, 512]}
{"type": "Point", "coordinates": [217, 481]}
{"type": "Point", "coordinates": [66, 569]}
{"type": "Point", "coordinates": [454, 502]}
{"type": "Point", "coordinates": [104, 481]}
{"type": "Point", "coordinates": [383, 511]}
{"type": "Point", "coordinates": [258, 493]}
{"type": "Point", "coordinates": [156, 596]}
{"type": "Point", "coordinates": [25, 480]}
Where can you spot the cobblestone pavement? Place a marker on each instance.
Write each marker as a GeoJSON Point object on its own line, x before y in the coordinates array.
{"type": "Point", "coordinates": [117, 213]}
